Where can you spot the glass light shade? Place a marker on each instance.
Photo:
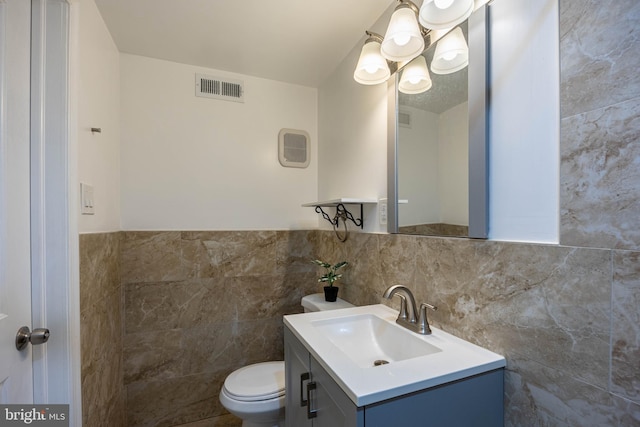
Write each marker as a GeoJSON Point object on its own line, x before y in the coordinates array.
{"type": "Point", "coordinates": [372, 68]}
{"type": "Point", "coordinates": [403, 40]}
{"type": "Point", "coordinates": [452, 53]}
{"type": "Point", "coordinates": [433, 17]}
{"type": "Point", "coordinates": [415, 77]}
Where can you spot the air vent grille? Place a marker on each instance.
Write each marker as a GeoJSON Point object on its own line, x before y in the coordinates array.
{"type": "Point", "coordinates": [404, 119]}
{"type": "Point", "coordinates": [217, 88]}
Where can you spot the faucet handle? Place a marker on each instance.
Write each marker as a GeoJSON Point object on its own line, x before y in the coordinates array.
{"type": "Point", "coordinates": [423, 323]}
{"type": "Point", "coordinates": [403, 308]}
{"type": "Point", "coordinates": [424, 306]}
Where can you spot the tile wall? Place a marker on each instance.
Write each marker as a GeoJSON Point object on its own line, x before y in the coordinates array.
{"type": "Point", "coordinates": [101, 328]}
{"type": "Point", "coordinates": [199, 305]}
{"type": "Point", "coordinates": [547, 309]}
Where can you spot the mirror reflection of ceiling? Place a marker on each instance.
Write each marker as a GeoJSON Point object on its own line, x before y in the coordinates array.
{"type": "Point", "coordinates": [448, 90]}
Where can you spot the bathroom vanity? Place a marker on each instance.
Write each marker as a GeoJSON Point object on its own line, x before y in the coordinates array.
{"type": "Point", "coordinates": [357, 367]}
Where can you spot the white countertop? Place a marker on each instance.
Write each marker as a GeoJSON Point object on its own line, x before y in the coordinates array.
{"type": "Point", "coordinates": [457, 359]}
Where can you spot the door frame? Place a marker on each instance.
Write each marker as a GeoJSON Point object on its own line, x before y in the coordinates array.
{"type": "Point", "coordinates": [54, 206]}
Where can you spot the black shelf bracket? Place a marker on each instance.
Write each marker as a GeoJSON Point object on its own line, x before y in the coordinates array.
{"type": "Point", "coordinates": [342, 214]}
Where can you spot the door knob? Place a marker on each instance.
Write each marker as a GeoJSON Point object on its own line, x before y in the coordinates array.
{"type": "Point", "coordinates": [25, 336]}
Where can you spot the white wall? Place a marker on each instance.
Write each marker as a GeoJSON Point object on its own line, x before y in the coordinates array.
{"type": "Point", "coordinates": [454, 171]}
{"type": "Point", "coordinates": [197, 163]}
{"type": "Point", "coordinates": [418, 169]}
{"type": "Point", "coordinates": [432, 167]}
{"type": "Point", "coordinates": [352, 123]}
{"type": "Point", "coordinates": [524, 125]}
{"type": "Point", "coordinates": [98, 105]}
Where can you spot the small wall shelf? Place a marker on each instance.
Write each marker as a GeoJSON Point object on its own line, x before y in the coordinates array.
{"type": "Point", "coordinates": [341, 210]}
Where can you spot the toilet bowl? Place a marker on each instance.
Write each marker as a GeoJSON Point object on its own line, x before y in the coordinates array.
{"type": "Point", "coordinates": [256, 393]}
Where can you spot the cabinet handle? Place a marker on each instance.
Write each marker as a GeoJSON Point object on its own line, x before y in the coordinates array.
{"type": "Point", "coordinates": [311, 413]}
{"type": "Point", "coordinates": [304, 377]}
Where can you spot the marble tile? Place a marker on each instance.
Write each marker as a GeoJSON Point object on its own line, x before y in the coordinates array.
{"type": "Point", "coordinates": [234, 253]}
{"type": "Point", "coordinates": [600, 178]}
{"type": "Point", "coordinates": [294, 251]}
{"type": "Point", "coordinates": [437, 229]}
{"type": "Point", "coordinates": [599, 54]}
{"type": "Point", "coordinates": [550, 303]}
{"type": "Point", "coordinates": [100, 406]}
{"type": "Point", "coordinates": [174, 305]}
{"type": "Point", "coordinates": [625, 355]}
{"type": "Point", "coordinates": [99, 266]}
{"type": "Point", "coordinates": [150, 256]}
{"type": "Point", "coordinates": [101, 329]}
{"type": "Point", "coordinates": [153, 355]}
{"type": "Point", "coordinates": [189, 303]}
{"type": "Point", "coordinates": [101, 366]}
{"type": "Point", "coordinates": [174, 401]}
{"type": "Point", "coordinates": [542, 396]}
{"type": "Point", "coordinates": [209, 326]}
{"type": "Point", "coordinates": [229, 346]}
{"type": "Point", "coordinates": [213, 351]}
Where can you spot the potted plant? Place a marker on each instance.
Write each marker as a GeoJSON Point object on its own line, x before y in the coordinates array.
{"type": "Point", "coordinates": [330, 276]}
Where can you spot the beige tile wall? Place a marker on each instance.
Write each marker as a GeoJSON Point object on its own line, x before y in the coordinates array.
{"type": "Point", "coordinates": [565, 317]}
{"type": "Point", "coordinates": [572, 356]}
{"type": "Point", "coordinates": [600, 123]}
{"type": "Point", "coordinates": [199, 305]}
{"type": "Point", "coordinates": [101, 330]}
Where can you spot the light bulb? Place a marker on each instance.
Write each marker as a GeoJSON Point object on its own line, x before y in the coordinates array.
{"type": "Point", "coordinates": [449, 56]}
{"type": "Point", "coordinates": [442, 4]}
{"type": "Point", "coordinates": [371, 68]}
{"type": "Point", "coordinates": [414, 80]}
{"type": "Point", "coordinates": [402, 39]}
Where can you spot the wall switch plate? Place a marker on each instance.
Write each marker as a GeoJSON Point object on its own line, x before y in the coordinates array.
{"type": "Point", "coordinates": [86, 199]}
{"type": "Point", "coordinates": [382, 211]}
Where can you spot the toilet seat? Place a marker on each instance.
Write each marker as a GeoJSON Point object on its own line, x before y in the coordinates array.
{"type": "Point", "coordinates": [261, 381]}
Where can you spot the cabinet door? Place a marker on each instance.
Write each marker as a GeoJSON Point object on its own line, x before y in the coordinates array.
{"type": "Point", "coordinates": [297, 369]}
{"type": "Point", "coordinates": [333, 406]}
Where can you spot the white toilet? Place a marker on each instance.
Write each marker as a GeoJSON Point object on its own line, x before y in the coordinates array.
{"type": "Point", "coordinates": [255, 393]}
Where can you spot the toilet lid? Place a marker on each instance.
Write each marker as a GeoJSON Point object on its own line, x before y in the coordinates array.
{"type": "Point", "coordinates": [261, 381]}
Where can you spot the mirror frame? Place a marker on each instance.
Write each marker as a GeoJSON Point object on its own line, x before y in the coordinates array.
{"type": "Point", "coordinates": [478, 132]}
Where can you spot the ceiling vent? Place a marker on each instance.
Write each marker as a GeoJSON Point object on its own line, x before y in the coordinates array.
{"type": "Point", "coordinates": [217, 88]}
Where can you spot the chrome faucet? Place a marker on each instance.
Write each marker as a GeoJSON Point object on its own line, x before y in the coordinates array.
{"type": "Point", "coordinates": [407, 316]}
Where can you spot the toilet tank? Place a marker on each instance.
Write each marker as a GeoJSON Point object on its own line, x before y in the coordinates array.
{"type": "Point", "coordinates": [316, 302]}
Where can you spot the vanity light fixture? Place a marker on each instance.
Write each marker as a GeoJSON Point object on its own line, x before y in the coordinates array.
{"type": "Point", "coordinates": [406, 39]}
{"type": "Point", "coordinates": [415, 77]}
{"type": "Point", "coordinates": [403, 40]}
{"type": "Point", "coordinates": [452, 53]}
{"type": "Point", "coordinates": [441, 14]}
{"type": "Point", "coordinates": [372, 68]}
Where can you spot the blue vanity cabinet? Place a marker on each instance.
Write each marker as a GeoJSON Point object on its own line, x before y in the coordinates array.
{"type": "Point", "coordinates": [476, 401]}
{"type": "Point", "coordinates": [313, 399]}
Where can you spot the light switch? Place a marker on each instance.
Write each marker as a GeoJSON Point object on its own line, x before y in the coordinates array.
{"type": "Point", "coordinates": [382, 211]}
{"type": "Point", "coordinates": [86, 199]}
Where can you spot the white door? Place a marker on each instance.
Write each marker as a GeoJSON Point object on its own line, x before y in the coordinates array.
{"type": "Point", "coordinates": [16, 372]}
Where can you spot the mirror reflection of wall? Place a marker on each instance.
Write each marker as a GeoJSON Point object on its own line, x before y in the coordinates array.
{"type": "Point", "coordinates": [433, 154]}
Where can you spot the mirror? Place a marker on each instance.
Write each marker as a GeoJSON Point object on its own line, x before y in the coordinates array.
{"type": "Point", "coordinates": [437, 147]}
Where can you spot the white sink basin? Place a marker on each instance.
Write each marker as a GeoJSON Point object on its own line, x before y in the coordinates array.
{"type": "Point", "coordinates": [347, 342]}
{"type": "Point", "coordinates": [370, 341]}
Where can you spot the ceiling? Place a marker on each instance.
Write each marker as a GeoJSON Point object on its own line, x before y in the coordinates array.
{"type": "Point", "coordinates": [295, 41]}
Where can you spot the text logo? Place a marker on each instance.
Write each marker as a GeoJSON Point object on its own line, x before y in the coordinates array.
{"type": "Point", "coordinates": [34, 415]}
